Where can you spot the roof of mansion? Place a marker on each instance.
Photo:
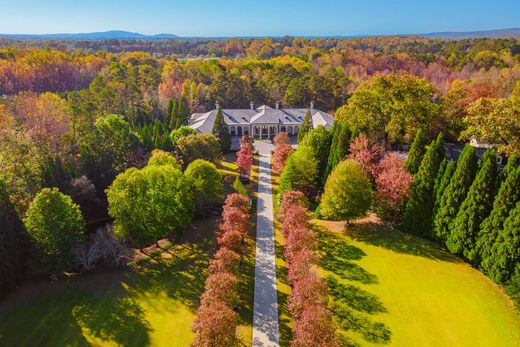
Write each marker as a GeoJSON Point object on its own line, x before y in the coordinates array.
{"type": "Point", "coordinates": [264, 115]}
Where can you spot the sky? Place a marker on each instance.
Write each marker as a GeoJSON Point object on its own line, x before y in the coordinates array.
{"type": "Point", "coordinates": [215, 18]}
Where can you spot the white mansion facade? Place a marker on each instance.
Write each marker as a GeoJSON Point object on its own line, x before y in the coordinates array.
{"type": "Point", "coordinates": [261, 122]}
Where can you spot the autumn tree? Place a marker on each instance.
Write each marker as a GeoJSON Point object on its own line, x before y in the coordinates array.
{"type": "Point", "coordinates": [367, 155]}
{"type": "Point", "coordinates": [221, 131]}
{"type": "Point", "coordinates": [215, 326]}
{"type": "Point", "coordinates": [347, 194]}
{"type": "Point", "coordinates": [281, 153]}
{"type": "Point", "coordinates": [418, 213]}
{"type": "Point", "coordinates": [416, 152]}
{"type": "Point", "coordinates": [281, 139]}
{"type": "Point", "coordinates": [55, 242]}
{"type": "Point", "coordinates": [474, 209]}
{"type": "Point", "coordinates": [455, 193]}
{"type": "Point", "coordinates": [245, 160]}
{"type": "Point", "coordinates": [315, 328]}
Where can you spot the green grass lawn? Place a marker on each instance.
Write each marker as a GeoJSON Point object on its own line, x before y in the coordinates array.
{"type": "Point", "coordinates": [153, 302]}
{"type": "Point", "coordinates": [391, 288]}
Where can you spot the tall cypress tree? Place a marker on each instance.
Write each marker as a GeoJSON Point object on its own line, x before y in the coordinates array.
{"type": "Point", "coordinates": [512, 164]}
{"type": "Point", "coordinates": [506, 199]}
{"type": "Point", "coordinates": [455, 192]}
{"type": "Point", "coordinates": [418, 212]}
{"type": "Point", "coordinates": [442, 181]}
{"type": "Point", "coordinates": [220, 130]}
{"type": "Point", "coordinates": [476, 207]}
{"type": "Point", "coordinates": [416, 152]}
{"type": "Point", "coordinates": [182, 112]}
{"type": "Point", "coordinates": [172, 116]}
{"type": "Point", "coordinates": [505, 252]}
{"type": "Point", "coordinates": [339, 146]}
{"type": "Point", "coordinates": [168, 111]}
{"type": "Point", "coordinates": [11, 254]}
{"type": "Point", "coordinates": [306, 126]}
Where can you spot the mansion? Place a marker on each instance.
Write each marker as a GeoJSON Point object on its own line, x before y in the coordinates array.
{"type": "Point", "coordinates": [261, 122]}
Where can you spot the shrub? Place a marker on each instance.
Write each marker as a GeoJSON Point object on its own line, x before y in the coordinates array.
{"type": "Point", "coordinates": [160, 157]}
{"type": "Point", "coordinates": [200, 146]}
{"type": "Point", "coordinates": [206, 181]}
{"type": "Point", "coordinates": [56, 227]}
{"type": "Point", "coordinates": [150, 203]}
{"type": "Point", "coordinates": [348, 192]}
{"type": "Point", "coordinates": [239, 187]}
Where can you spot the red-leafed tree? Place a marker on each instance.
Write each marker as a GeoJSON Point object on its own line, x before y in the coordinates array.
{"type": "Point", "coordinates": [220, 286]}
{"type": "Point", "coordinates": [315, 328]}
{"type": "Point", "coordinates": [281, 139]}
{"type": "Point", "coordinates": [310, 290]}
{"type": "Point", "coordinates": [215, 325]}
{"type": "Point", "coordinates": [295, 217]}
{"type": "Point", "coordinates": [233, 219]}
{"type": "Point", "coordinates": [281, 153]}
{"type": "Point", "coordinates": [224, 260]}
{"type": "Point", "coordinates": [233, 240]}
{"type": "Point", "coordinates": [292, 198]}
{"type": "Point", "coordinates": [245, 160]}
{"type": "Point", "coordinates": [301, 264]}
{"type": "Point", "coordinates": [298, 240]}
{"type": "Point", "coordinates": [365, 154]}
{"type": "Point", "coordinates": [238, 200]}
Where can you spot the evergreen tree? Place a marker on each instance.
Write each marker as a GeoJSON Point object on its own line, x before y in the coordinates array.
{"type": "Point", "coordinates": [505, 252]}
{"type": "Point", "coordinates": [182, 112]}
{"type": "Point", "coordinates": [339, 146]}
{"type": "Point", "coordinates": [221, 132]}
{"type": "Point", "coordinates": [475, 208]}
{"type": "Point", "coordinates": [172, 116]}
{"type": "Point", "coordinates": [442, 181]}
{"type": "Point", "coordinates": [11, 254]}
{"type": "Point", "coordinates": [319, 139]}
{"type": "Point", "coordinates": [416, 152]}
{"type": "Point", "coordinates": [455, 192]}
{"type": "Point", "coordinates": [418, 212]}
{"type": "Point", "coordinates": [512, 164]}
{"type": "Point", "coordinates": [168, 111]}
{"type": "Point", "coordinates": [506, 199]}
{"type": "Point", "coordinates": [306, 126]}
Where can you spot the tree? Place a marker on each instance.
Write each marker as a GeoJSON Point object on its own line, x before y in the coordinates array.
{"type": "Point", "coordinates": [442, 181]}
{"type": "Point", "coordinates": [455, 193]}
{"type": "Point", "coordinates": [200, 146]}
{"type": "Point", "coordinates": [12, 256]}
{"type": "Point", "coordinates": [281, 153]}
{"type": "Point", "coordinates": [391, 108]}
{"type": "Point", "coordinates": [56, 227]}
{"type": "Point", "coordinates": [506, 199]}
{"type": "Point", "coordinates": [104, 152]}
{"type": "Point", "coordinates": [476, 207]}
{"type": "Point", "coordinates": [505, 252]}
{"type": "Point", "coordinates": [182, 131]}
{"type": "Point", "coordinates": [495, 121]}
{"type": "Point", "coordinates": [169, 113]}
{"type": "Point", "coordinates": [339, 146]}
{"type": "Point", "coordinates": [207, 182]}
{"type": "Point", "coordinates": [348, 192]}
{"type": "Point", "coordinates": [416, 152]}
{"type": "Point", "coordinates": [281, 139]}
{"type": "Point", "coordinates": [160, 157]}
{"type": "Point", "coordinates": [300, 172]}
{"type": "Point", "coordinates": [215, 326]}
{"type": "Point", "coordinates": [306, 126]}
{"type": "Point", "coordinates": [221, 131]}
{"type": "Point", "coordinates": [366, 155]}
{"type": "Point", "coordinates": [245, 160]}
{"type": "Point", "coordinates": [150, 203]}
{"type": "Point", "coordinates": [308, 291]}
{"type": "Point", "coordinates": [418, 213]}
{"type": "Point", "coordinates": [291, 198]}
{"type": "Point", "coordinates": [319, 140]}
{"type": "Point", "coordinates": [315, 328]}
{"type": "Point", "coordinates": [294, 218]}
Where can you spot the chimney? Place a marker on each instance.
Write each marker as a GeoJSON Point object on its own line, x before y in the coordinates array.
{"type": "Point", "coordinates": [217, 105]}
{"type": "Point", "coordinates": [312, 105]}
{"type": "Point", "coordinates": [252, 104]}
{"type": "Point", "coordinates": [277, 105]}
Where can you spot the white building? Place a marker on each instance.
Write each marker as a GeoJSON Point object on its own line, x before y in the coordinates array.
{"type": "Point", "coordinates": [261, 122]}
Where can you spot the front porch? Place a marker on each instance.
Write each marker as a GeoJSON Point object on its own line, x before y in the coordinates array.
{"type": "Point", "coordinates": [263, 131]}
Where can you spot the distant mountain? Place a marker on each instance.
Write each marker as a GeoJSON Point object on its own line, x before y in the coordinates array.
{"type": "Point", "coordinates": [106, 35]}
{"type": "Point", "coordinates": [458, 35]}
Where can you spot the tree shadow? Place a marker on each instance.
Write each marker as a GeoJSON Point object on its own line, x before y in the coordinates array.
{"type": "Point", "coordinates": [378, 235]}
{"type": "Point", "coordinates": [284, 320]}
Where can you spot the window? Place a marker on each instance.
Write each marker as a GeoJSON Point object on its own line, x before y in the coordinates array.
{"type": "Point", "coordinates": [282, 129]}
{"type": "Point", "coordinates": [233, 131]}
{"type": "Point", "coordinates": [289, 130]}
{"type": "Point", "coordinates": [296, 129]}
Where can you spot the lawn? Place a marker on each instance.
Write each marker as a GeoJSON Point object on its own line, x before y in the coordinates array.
{"type": "Point", "coordinates": [391, 288]}
{"type": "Point", "coordinates": [153, 302]}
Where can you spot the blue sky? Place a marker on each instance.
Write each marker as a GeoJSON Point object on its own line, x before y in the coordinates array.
{"type": "Point", "coordinates": [257, 17]}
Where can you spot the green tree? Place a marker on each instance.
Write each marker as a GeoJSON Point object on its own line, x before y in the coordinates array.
{"type": "Point", "coordinates": [170, 115]}
{"type": "Point", "coordinates": [476, 207]}
{"type": "Point", "coordinates": [306, 126]}
{"type": "Point", "coordinates": [300, 172]}
{"type": "Point", "coordinates": [207, 182]}
{"type": "Point", "coordinates": [160, 157]}
{"type": "Point", "coordinates": [455, 193]}
{"type": "Point", "coordinates": [416, 152]}
{"type": "Point", "coordinates": [505, 252]}
{"type": "Point", "coordinates": [183, 130]}
{"type": "Point", "coordinates": [150, 203]}
{"type": "Point", "coordinates": [339, 146]}
{"type": "Point", "coordinates": [348, 192]}
{"type": "Point", "coordinates": [418, 212]}
{"type": "Point", "coordinates": [391, 108]}
{"type": "Point", "coordinates": [103, 154]}
{"type": "Point", "coordinates": [442, 181]}
{"type": "Point", "coordinates": [221, 131]}
{"type": "Point", "coordinates": [182, 112]}
{"type": "Point", "coordinates": [319, 140]}
{"type": "Point", "coordinates": [198, 146]}
{"type": "Point", "coordinates": [11, 254]}
{"type": "Point", "coordinates": [512, 164]}
{"type": "Point", "coordinates": [55, 225]}
{"type": "Point", "coordinates": [507, 197]}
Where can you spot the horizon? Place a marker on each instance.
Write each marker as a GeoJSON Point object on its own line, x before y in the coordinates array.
{"type": "Point", "coordinates": [257, 19]}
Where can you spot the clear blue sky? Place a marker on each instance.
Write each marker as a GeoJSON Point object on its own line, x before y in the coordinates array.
{"type": "Point", "coordinates": [257, 17]}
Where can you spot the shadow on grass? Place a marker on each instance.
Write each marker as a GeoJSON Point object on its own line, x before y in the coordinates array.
{"type": "Point", "coordinates": [397, 241]}
{"type": "Point", "coordinates": [352, 306]}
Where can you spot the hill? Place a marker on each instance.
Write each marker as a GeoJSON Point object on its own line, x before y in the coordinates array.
{"type": "Point", "coordinates": [105, 35]}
